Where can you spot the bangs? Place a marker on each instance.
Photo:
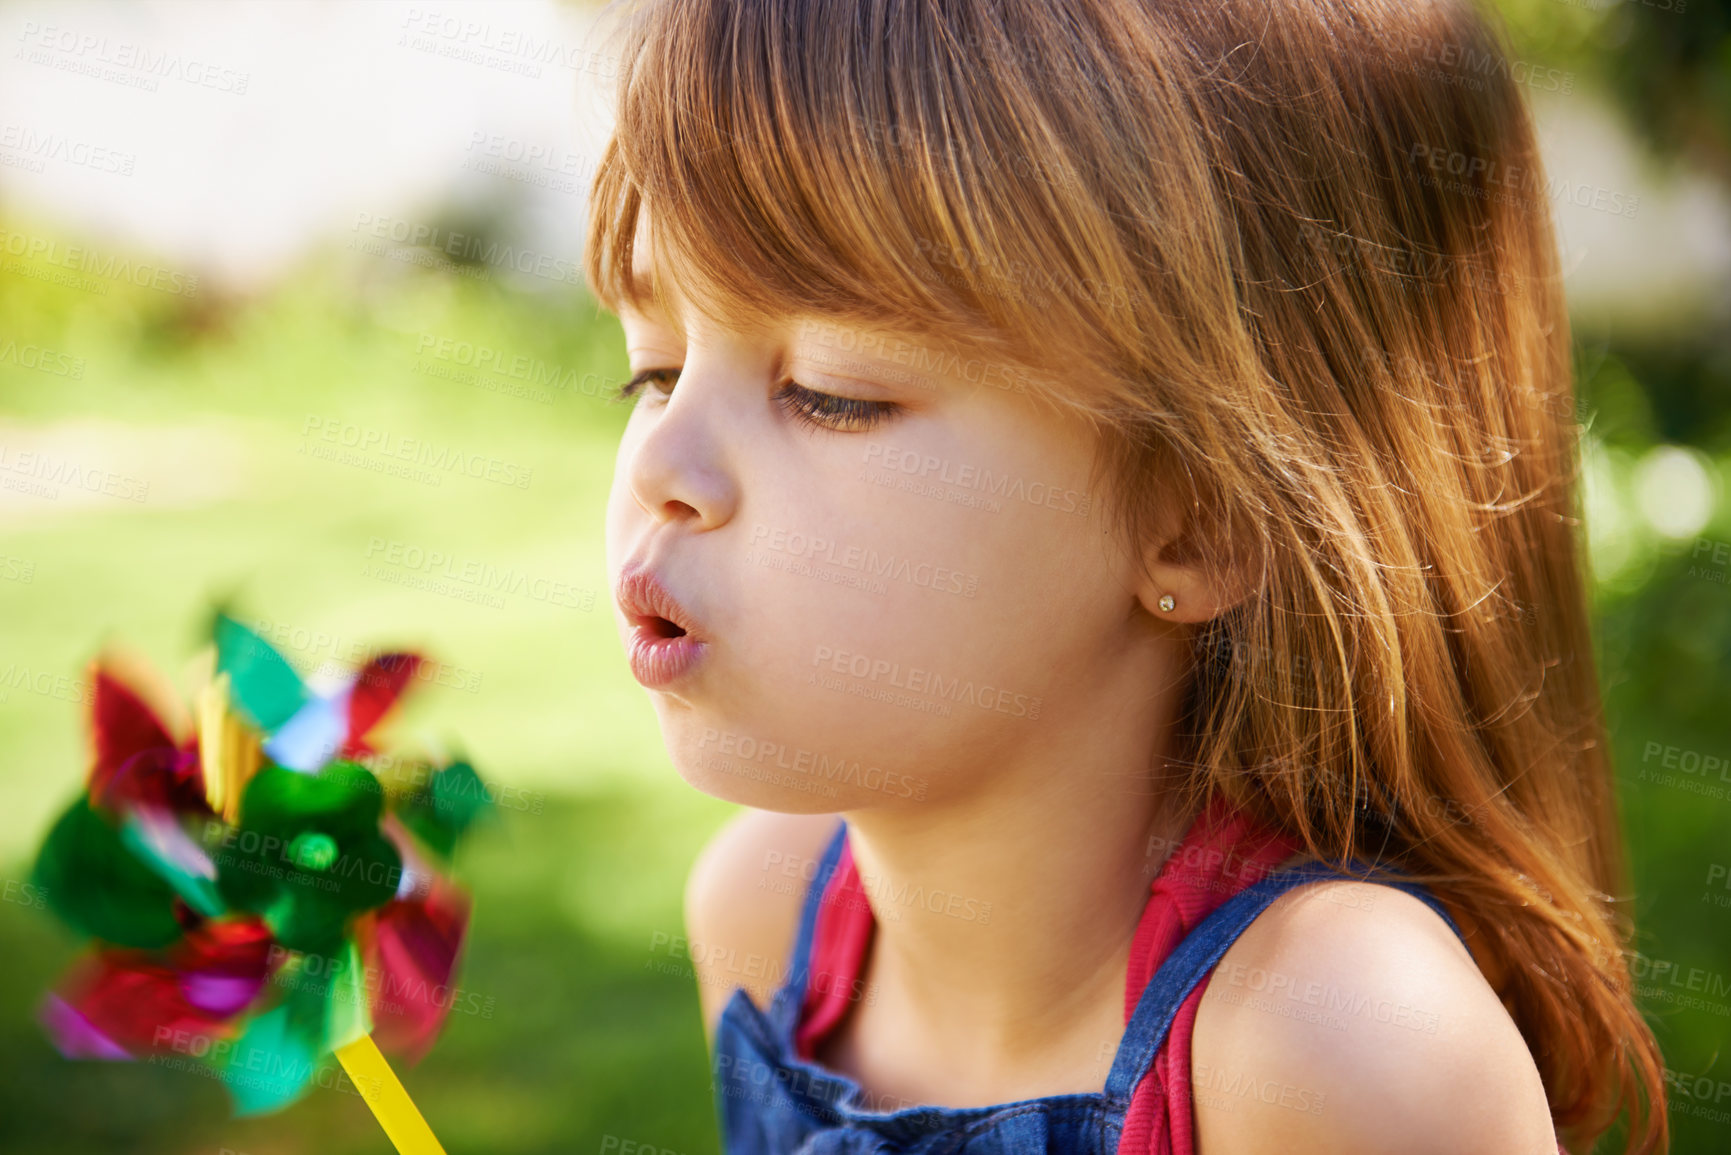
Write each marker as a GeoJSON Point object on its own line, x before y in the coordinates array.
{"type": "Point", "coordinates": [868, 162]}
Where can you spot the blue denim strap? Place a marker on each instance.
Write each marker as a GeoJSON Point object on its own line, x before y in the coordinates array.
{"type": "Point", "coordinates": [792, 992]}
{"type": "Point", "coordinates": [1202, 949]}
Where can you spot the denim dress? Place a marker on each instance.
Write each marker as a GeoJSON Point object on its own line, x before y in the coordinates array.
{"type": "Point", "coordinates": [771, 1101]}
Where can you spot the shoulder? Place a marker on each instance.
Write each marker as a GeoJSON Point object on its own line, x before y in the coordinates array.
{"type": "Point", "coordinates": [1348, 1018]}
{"type": "Point", "coordinates": [743, 900]}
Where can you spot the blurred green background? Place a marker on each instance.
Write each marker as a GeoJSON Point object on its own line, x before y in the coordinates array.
{"type": "Point", "coordinates": [216, 402]}
{"type": "Point", "coordinates": [595, 1026]}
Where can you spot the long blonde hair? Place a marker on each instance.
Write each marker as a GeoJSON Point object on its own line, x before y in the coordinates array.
{"type": "Point", "coordinates": [1294, 260]}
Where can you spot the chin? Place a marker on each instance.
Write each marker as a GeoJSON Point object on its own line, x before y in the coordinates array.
{"type": "Point", "coordinates": [760, 787]}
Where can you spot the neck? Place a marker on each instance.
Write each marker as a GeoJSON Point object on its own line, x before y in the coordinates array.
{"type": "Point", "coordinates": [1004, 921]}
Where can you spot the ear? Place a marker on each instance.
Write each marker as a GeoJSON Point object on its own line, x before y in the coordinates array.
{"type": "Point", "coordinates": [1175, 564]}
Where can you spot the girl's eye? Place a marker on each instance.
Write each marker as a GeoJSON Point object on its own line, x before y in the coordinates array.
{"type": "Point", "coordinates": [827, 411]}
{"type": "Point", "coordinates": [820, 410]}
{"type": "Point", "coordinates": [632, 387]}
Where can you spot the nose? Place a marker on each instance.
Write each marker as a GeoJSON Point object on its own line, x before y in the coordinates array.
{"type": "Point", "coordinates": [678, 466]}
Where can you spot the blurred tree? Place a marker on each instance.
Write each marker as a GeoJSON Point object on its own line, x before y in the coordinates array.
{"type": "Point", "coordinates": [1668, 62]}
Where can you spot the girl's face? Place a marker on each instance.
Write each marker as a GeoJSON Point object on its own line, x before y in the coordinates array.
{"type": "Point", "coordinates": [897, 582]}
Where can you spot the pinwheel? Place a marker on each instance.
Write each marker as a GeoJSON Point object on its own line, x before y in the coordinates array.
{"type": "Point", "coordinates": [256, 899]}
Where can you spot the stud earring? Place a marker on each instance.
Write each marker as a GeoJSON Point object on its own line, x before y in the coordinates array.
{"type": "Point", "coordinates": [1167, 602]}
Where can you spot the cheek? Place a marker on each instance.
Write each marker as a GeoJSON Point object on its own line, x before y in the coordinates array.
{"type": "Point", "coordinates": [1029, 553]}
{"type": "Point", "coordinates": [838, 685]}
{"type": "Point", "coordinates": [986, 556]}
{"type": "Point", "coordinates": [1032, 592]}
{"type": "Point", "coordinates": [614, 535]}
{"type": "Point", "coordinates": [889, 662]}
{"type": "Point", "coordinates": [620, 504]}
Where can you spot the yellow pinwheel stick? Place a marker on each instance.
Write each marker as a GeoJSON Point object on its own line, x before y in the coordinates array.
{"type": "Point", "coordinates": [391, 1105]}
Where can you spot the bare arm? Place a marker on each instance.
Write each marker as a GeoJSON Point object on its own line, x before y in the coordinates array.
{"type": "Point", "coordinates": [1349, 1020]}
{"type": "Point", "coordinates": [743, 900]}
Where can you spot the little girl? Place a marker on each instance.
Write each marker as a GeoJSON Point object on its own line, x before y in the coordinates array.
{"type": "Point", "coordinates": [1103, 496]}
